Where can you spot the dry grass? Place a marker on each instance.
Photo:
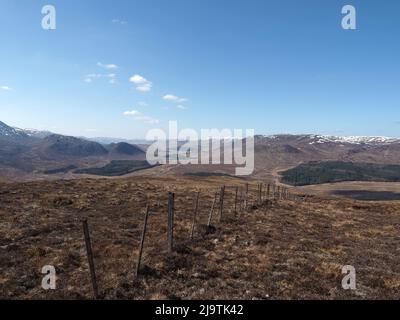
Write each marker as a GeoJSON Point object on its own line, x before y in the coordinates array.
{"type": "Point", "coordinates": [281, 250]}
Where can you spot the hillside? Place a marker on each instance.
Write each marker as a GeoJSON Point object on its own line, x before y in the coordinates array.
{"type": "Point", "coordinates": [26, 155]}
{"type": "Point", "coordinates": [58, 145]}
{"type": "Point", "coordinates": [125, 149]}
{"type": "Point", "coordinates": [336, 171]}
{"type": "Point", "coordinates": [282, 249]}
{"type": "Point", "coordinates": [116, 168]}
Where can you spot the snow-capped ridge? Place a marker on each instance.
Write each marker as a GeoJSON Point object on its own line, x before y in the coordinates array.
{"type": "Point", "coordinates": [354, 139]}
{"type": "Point", "coordinates": [319, 139]}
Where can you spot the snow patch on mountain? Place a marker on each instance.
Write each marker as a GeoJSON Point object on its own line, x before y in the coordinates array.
{"type": "Point", "coordinates": [354, 139]}
{"type": "Point", "coordinates": [320, 139]}
{"type": "Point", "coordinates": [8, 131]}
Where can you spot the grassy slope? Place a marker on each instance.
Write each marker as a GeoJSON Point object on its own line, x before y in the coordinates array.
{"type": "Point", "coordinates": [283, 250]}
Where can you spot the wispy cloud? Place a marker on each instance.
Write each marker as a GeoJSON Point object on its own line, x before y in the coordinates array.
{"type": "Point", "coordinates": [141, 117]}
{"type": "Point", "coordinates": [118, 21]}
{"type": "Point", "coordinates": [173, 98]}
{"type": "Point", "coordinates": [142, 104]}
{"type": "Point", "coordinates": [142, 84]}
{"type": "Point", "coordinates": [5, 88]}
{"type": "Point", "coordinates": [89, 78]}
{"type": "Point", "coordinates": [182, 107]}
{"type": "Point", "coordinates": [107, 65]}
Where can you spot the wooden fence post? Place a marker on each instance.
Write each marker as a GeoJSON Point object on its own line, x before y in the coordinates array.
{"type": "Point", "coordinates": [268, 190]}
{"type": "Point", "coordinates": [260, 194]}
{"type": "Point", "coordinates": [265, 192]}
{"type": "Point", "coordinates": [90, 258]}
{"type": "Point", "coordinates": [212, 210]}
{"type": "Point", "coordinates": [236, 198]}
{"type": "Point", "coordinates": [171, 200]}
{"type": "Point", "coordinates": [196, 207]}
{"type": "Point", "coordinates": [221, 202]}
{"type": "Point", "coordinates": [246, 196]}
{"type": "Point", "coordinates": [146, 217]}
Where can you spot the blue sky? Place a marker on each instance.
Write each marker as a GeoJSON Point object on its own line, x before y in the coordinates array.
{"type": "Point", "coordinates": [273, 66]}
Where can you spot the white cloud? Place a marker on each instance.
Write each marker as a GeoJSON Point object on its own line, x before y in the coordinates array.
{"type": "Point", "coordinates": [142, 84]}
{"type": "Point", "coordinates": [118, 21]}
{"type": "Point", "coordinates": [107, 66]}
{"type": "Point", "coordinates": [5, 88]}
{"type": "Point", "coordinates": [142, 104]}
{"type": "Point", "coordinates": [173, 98]}
{"type": "Point", "coordinates": [181, 107]}
{"type": "Point", "coordinates": [93, 76]}
{"type": "Point", "coordinates": [141, 117]}
{"type": "Point", "coordinates": [90, 77]}
{"type": "Point", "coordinates": [113, 79]}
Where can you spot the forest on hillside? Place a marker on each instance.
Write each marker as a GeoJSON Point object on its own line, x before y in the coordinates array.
{"type": "Point", "coordinates": [337, 171]}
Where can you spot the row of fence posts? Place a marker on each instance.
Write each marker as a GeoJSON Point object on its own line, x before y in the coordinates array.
{"type": "Point", "coordinates": [265, 192]}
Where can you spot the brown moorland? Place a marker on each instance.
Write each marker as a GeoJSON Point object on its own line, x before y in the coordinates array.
{"type": "Point", "coordinates": [282, 249]}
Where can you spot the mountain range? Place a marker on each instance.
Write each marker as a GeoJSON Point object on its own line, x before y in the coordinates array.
{"type": "Point", "coordinates": [28, 153]}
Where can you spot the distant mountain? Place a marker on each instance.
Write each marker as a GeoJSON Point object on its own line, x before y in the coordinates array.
{"type": "Point", "coordinates": [35, 133]}
{"type": "Point", "coordinates": [105, 140]}
{"type": "Point", "coordinates": [27, 153]}
{"type": "Point", "coordinates": [70, 146]}
{"type": "Point", "coordinates": [124, 148]}
{"type": "Point", "coordinates": [30, 152]}
{"type": "Point", "coordinates": [320, 139]}
{"type": "Point", "coordinates": [17, 134]}
{"type": "Point", "coordinates": [7, 132]}
{"type": "Point", "coordinates": [279, 152]}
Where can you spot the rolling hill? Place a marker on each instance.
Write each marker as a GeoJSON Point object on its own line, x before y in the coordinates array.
{"type": "Point", "coordinates": [28, 153]}
{"type": "Point", "coordinates": [32, 154]}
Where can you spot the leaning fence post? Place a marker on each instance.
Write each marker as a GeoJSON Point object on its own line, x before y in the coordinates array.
{"type": "Point", "coordinates": [196, 207]}
{"type": "Point", "coordinates": [90, 258]}
{"type": "Point", "coordinates": [236, 197]}
{"type": "Point", "coordinates": [246, 196]}
{"type": "Point", "coordinates": [265, 192]}
{"type": "Point", "coordinates": [146, 217]}
{"type": "Point", "coordinates": [212, 210]}
{"type": "Point", "coordinates": [171, 198]}
{"type": "Point", "coordinates": [221, 202]}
